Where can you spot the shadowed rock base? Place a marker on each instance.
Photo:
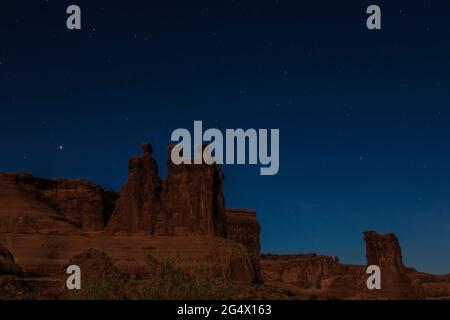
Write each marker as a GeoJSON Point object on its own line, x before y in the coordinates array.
{"type": "Point", "coordinates": [45, 255]}
{"type": "Point", "coordinates": [7, 264]}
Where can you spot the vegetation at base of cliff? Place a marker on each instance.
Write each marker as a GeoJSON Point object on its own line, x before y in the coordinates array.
{"type": "Point", "coordinates": [164, 280]}
{"type": "Point", "coordinates": [12, 288]}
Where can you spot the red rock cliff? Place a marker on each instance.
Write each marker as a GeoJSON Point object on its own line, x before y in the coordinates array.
{"type": "Point", "coordinates": [313, 275]}
{"type": "Point", "coordinates": [243, 227]}
{"type": "Point", "coordinates": [84, 204]}
{"type": "Point", "coordinates": [139, 209]}
{"type": "Point", "coordinates": [385, 252]}
{"type": "Point", "coordinates": [193, 199]}
{"type": "Point", "coordinates": [189, 202]}
{"type": "Point", "coordinates": [24, 210]}
{"type": "Point", "coordinates": [7, 264]}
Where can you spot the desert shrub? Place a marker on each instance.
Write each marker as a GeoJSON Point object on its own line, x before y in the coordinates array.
{"type": "Point", "coordinates": [12, 288]}
{"type": "Point", "coordinates": [167, 281]}
{"type": "Point", "coordinates": [100, 280]}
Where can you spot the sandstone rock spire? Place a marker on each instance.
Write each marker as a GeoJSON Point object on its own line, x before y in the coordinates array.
{"type": "Point", "coordinates": [139, 209]}
{"type": "Point", "coordinates": [193, 198]}
{"type": "Point", "coordinates": [385, 252]}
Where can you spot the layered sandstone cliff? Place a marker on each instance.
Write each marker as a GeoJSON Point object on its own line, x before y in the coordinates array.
{"type": "Point", "coordinates": [325, 277]}
{"type": "Point", "coordinates": [24, 211]}
{"type": "Point", "coordinates": [319, 276]}
{"type": "Point", "coordinates": [44, 223]}
{"type": "Point", "coordinates": [193, 199]}
{"type": "Point", "coordinates": [243, 227]}
{"type": "Point", "coordinates": [385, 252]}
{"type": "Point", "coordinates": [84, 204]}
{"type": "Point", "coordinates": [139, 209]}
{"type": "Point", "coordinates": [189, 202]}
{"type": "Point", "coordinates": [43, 255]}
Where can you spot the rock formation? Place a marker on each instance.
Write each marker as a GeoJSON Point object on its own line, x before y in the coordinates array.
{"type": "Point", "coordinates": [82, 203]}
{"type": "Point", "coordinates": [7, 264]}
{"type": "Point", "coordinates": [325, 277]}
{"type": "Point", "coordinates": [101, 279]}
{"type": "Point", "coordinates": [243, 227]}
{"type": "Point", "coordinates": [43, 255]}
{"type": "Point", "coordinates": [430, 286]}
{"type": "Point", "coordinates": [34, 205]}
{"type": "Point", "coordinates": [24, 211]}
{"type": "Point", "coordinates": [385, 252]}
{"type": "Point", "coordinates": [193, 199]}
{"type": "Point", "coordinates": [139, 209]}
{"type": "Point", "coordinates": [44, 223]}
{"type": "Point", "coordinates": [319, 276]}
{"type": "Point", "coordinates": [188, 203]}
{"type": "Point", "coordinates": [306, 271]}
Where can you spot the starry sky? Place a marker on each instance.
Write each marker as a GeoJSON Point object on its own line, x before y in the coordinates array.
{"type": "Point", "coordinates": [363, 115]}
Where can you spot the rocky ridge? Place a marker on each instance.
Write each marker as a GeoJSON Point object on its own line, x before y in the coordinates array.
{"type": "Point", "coordinates": [183, 219]}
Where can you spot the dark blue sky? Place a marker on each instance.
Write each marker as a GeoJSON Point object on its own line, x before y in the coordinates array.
{"type": "Point", "coordinates": [363, 116]}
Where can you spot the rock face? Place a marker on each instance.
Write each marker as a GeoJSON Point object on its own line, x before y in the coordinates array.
{"type": "Point", "coordinates": [44, 223]}
{"type": "Point", "coordinates": [188, 203]}
{"type": "Point", "coordinates": [319, 276]}
{"type": "Point", "coordinates": [324, 277]}
{"type": "Point", "coordinates": [24, 211]}
{"type": "Point", "coordinates": [306, 271]}
{"type": "Point", "coordinates": [7, 264]}
{"type": "Point", "coordinates": [243, 227]}
{"type": "Point", "coordinates": [84, 204]}
{"type": "Point", "coordinates": [34, 205]}
{"type": "Point", "coordinates": [101, 279]}
{"type": "Point", "coordinates": [385, 252]}
{"type": "Point", "coordinates": [193, 199]}
{"type": "Point", "coordinates": [139, 209]}
{"type": "Point", "coordinates": [430, 286]}
{"type": "Point", "coordinates": [44, 255]}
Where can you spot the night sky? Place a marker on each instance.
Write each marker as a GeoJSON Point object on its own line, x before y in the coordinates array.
{"type": "Point", "coordinates": [363, 115]}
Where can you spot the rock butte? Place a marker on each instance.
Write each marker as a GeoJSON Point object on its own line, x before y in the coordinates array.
{"type": "Point", "coordinates": [45, 224]}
